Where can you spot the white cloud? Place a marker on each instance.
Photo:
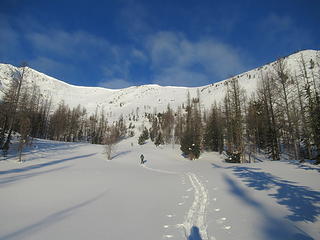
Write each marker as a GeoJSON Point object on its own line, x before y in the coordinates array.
{"type": "Point", "coordinates": [218, 59]}
{"type": "Point", "coordinates": [278, 23]}
{"type": "Point", "coordinates": [82, 48]}
{"type": "Point", "coordinates": [139, 55]}
{"type": "Point", "coordinates": [134, 19]}
{"type": "Point", "coordinates": [180, 77]}
{"type": "Point", "coordinates": [48, 65]}
{"type": "Point", "coordinates": [165, 57]}
{"type": "Point", "coordinates": [116, 83]}
{"type": "Point", "coordinates": [164, 49]}
{"type": "Point", "coordinates": [283, 31]}
{"type": "Point", "coordinates": [177, 60]}
{"type": "Point", "coordinates": [77, 44]}
{"type": "Point", "coordinates": [9, 40]}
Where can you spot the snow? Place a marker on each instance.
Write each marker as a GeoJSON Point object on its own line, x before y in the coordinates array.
{"type": "Point", "coordinates": [146, 98]}
{"type": "Point", "coordinates": [70, 191]}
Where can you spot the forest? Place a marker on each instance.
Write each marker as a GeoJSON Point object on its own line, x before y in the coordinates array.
{"type": "Point", "coordinates": [280, 120]}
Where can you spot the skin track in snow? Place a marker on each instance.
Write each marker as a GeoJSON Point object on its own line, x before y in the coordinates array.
{"type": "Point", "coordinates": [197, 212]}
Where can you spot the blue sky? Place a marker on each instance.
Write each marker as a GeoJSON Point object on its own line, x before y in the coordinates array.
{"type": "Point", "coordinates": [122, 43]}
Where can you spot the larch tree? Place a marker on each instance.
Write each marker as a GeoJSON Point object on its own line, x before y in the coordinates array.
{"type": "Point", "coordinates": [11, 98]}
{"type": "Point", "coordinates": [213, 133]}
{"type": "Point", "coordinates": [190, 143]}
{"type": "Point", "coordinates": [266, 95]}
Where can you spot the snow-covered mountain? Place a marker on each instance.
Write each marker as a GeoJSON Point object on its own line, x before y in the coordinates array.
{"type": "Point", "coordinates": [145, 98]}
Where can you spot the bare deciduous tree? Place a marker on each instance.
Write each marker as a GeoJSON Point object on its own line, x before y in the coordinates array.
{"type": "Point", "coordinates": [110, 140]}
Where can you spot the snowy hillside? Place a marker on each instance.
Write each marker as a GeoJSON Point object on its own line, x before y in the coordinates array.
{"type": "Point", "coordinates": [70, 191]}
{"type": "Point", "coordinates": [145, 98]}
{"type": "Point", "coordinates": [64, 190]}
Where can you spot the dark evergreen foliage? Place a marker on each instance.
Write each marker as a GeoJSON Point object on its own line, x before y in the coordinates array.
{"type": "Point", "coordinates": [190, 143]}
{"type": "Point", "coordinates": [159, 140]}
{"type": "Point", "coordinates": [213, 133]}
{"type": "Point", "coordinates": [143, 137]}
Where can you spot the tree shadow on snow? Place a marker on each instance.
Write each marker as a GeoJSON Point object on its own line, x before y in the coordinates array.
{"type": "Point", "coordinates": [120, 154]}
{"type": "Point", "coordinates": [232, 166]}
{"type": "Point", "coordinates": [42, 146]}
{"type": "Point", "coordinates": [9, 180]}
{"type": "Point", "coordinates": [41, 165]}
{"type": "Point", "coordinates": [272, 228]}
{"type": "Point", "coordinates": [305, 166]}
{"type": "Point", "coordinates": [301, 201]}
{"type": "Point", "coordinates": [194, 234]}
{"type": "Point", "coordinates": [49, 220]}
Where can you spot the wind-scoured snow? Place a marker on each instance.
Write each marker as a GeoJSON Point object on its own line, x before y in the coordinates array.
{"type": "Point", "coordinates": [70, 191]}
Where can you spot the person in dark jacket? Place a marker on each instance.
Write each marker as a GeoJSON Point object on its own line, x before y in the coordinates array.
{"type": "Point", "coordinates": [142, 159]}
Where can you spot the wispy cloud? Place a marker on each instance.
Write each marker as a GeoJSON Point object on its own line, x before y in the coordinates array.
{"type": "Point", "coordinates": [74, 55]}
{"type": "Point", "coordinates": [77, 44]}
{"type": "Point", "coordinates": [177, 60]}
{"type": "Point", "coordinates": [116, 83]}
{"type": "Point", "coordinates": [284, 31]}
{"type": "Point", "coordinates": [176, 76]}
{"type": "Point", "coordinates": [9, 39]}
{"type": "Point", "coordinates": [139, 55]}
{"type": "Point", "coordinates": [134, 19]}
{"type": "Point", "coordinates": [50, 65]}
{"type": "Point", "coordinates": [278, 23]}
{"type": "Point", "coordinates": [162, 57]}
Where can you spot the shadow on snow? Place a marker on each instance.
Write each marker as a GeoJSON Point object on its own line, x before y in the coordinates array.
{"type": "Point", "coordinates": [41, 165]}
{"type": "Point", "coordinates": [120, 154]}
{"type": "Point", "coordinates": [9, 180]}
{"type": "Point", "coordinates": [194, 234]}
{"type": "Point", "coordinates": [305, 166]}
{"type": "Point", "coordinates": [42, 146]}
{"type": "Point", "coordinates": [301, 201]}
{"type": "Point", "coordinates": [49, 220]}
{"type": "Point", "coordinates": [273, 228]}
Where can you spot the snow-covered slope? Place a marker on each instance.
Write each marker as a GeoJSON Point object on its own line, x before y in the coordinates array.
{"type": "Point", "coordinates": [70, 191]}
{"type": "Point", "coordinates": [145, 98]}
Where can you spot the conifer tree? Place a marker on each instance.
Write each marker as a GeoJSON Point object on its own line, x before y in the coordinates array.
{"type": "Point", "coordinates": [266, 95]}
{"type": "Point", "coordinates": [233, 105]}
{"type": "Point", "coordinates": [143, 137]}
{"type": "Point", "coordinates": [167, 125]}
{"type": "Point", "coordinates": [213, 134]}
{"type": "Point", "coordinates": [191, 135]}
{"type": "Point", "coordinates": [153, 131]}
{"type": "Point", "coordinates": [159, 139]}
{"type": "Point", "coordinates": [11, 98]}
{"type": "Point", "coordinates": [283, 81]}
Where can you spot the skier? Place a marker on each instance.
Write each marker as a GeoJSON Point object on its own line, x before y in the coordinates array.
{"type": "Point", "coordinates": [142, 159]}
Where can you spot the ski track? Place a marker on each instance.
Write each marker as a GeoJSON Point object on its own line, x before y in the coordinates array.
{"type": "Point", "coordinates": [197, 212]}
{"type": "Point", "coordinates": [158, 170]}
{"type": "Point", "coordinates": [196, 215]}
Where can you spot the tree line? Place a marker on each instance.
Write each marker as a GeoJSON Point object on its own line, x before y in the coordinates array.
{"type": "Point", "coordinates": [281, 119]}
{"type": "Point", "coordinates": [26, 111]}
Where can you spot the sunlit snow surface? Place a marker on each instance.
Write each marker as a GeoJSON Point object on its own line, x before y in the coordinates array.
{"type": "Point", "coordinates": [70, 191]}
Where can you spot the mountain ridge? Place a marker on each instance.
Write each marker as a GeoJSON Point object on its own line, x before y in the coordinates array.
{"type": "Point", "coordinates": [150, 97]}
